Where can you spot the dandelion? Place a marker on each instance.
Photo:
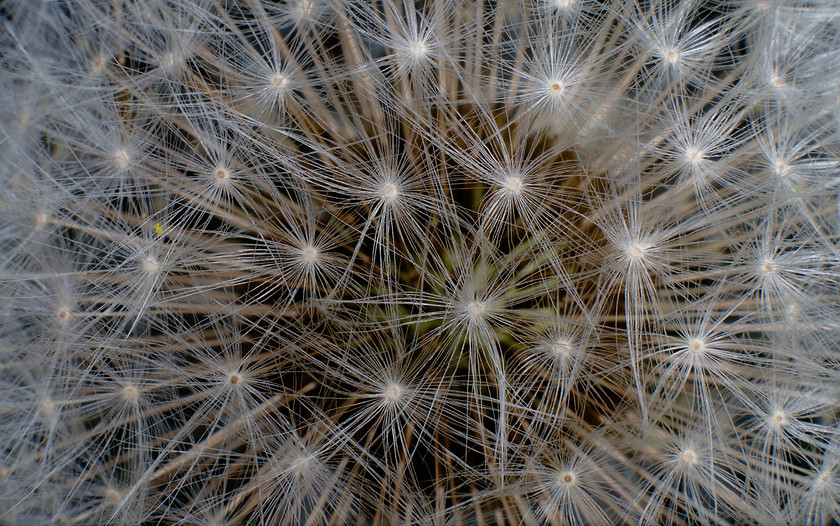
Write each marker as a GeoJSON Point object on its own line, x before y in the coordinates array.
{"type": "Point", "coordinates": [321, 262]}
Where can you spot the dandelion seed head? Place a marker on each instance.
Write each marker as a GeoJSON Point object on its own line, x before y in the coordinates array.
{"type": "Point", "coordinates": [322, 252]}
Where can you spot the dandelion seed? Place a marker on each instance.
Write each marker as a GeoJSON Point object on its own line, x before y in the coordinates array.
{"type": "Point", "coordinates": [672, 56]}
{"type": "Point", "coordinates": [779, 420]}
{"type": "Point", "coordinates": [130, 394]}
{"type": "Point", "coordinates": [278, 83]}
{"type": "Point", "coordinates": [563, 4]}
{"type": "Point", "coordinates": [222, 175]}
{"type": "Point", "coordinates": [689, 457]}
{"type": "Point", "coordinates": [48, 408]}
{"type": "Point", "coordinates": [694, 156]}
{"type": "Point", "coordinates": [63, 314]}
{"type": "Point", "coordinates": [476, 310]}
{"type": "Point", "coordinates": [310, 255]}
{"type": "Point", "coordinates": [389, 191]}
{"type": "Point", "coordinates": [636, 252]}
{"type": "Point", "coordinates": [566, 479]}
{"type": "Point", "coordinates": [562, 348]}
{"type": "Point", "coordinates": [113, 497]}
{"type": "Point", "coordinates": [305, 8]}
{"type": "Point", "coordinates": [556, 87]}
{"type": "Point", "coordinates": [122, 159]}
{"type": "Point", "coordinates": [418, 50]}
{"type": "Point", "coordinates": [301, 464]}
{"type": "Point", "coordinates": [768, 267]}
{"type": "Point", "coordinates": [151, 265]}
{"type": "Point", "coordinates": [513, 184]}
{"type": "Point", "coordinates": [697, 346]}
{"type": "Point", "coordinates": [393, 393]}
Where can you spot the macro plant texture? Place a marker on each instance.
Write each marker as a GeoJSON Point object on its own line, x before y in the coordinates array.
{"type": "Point", "coordinates": [563, 262]}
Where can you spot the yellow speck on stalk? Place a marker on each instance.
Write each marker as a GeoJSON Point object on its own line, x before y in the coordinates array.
{"type": "Point", "coordinates": [158, 229]}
